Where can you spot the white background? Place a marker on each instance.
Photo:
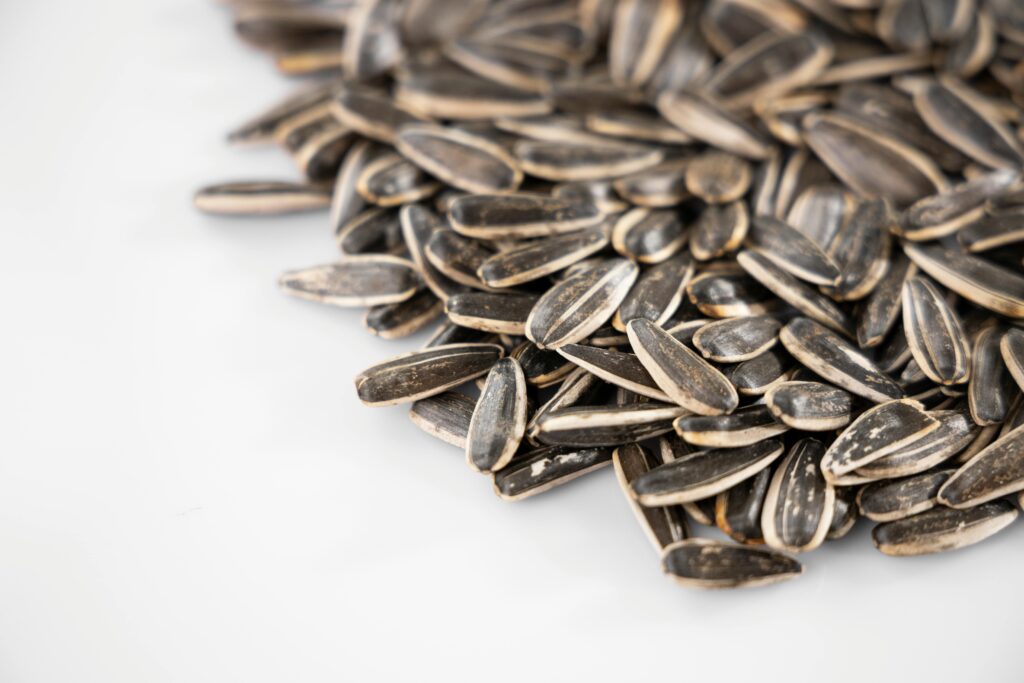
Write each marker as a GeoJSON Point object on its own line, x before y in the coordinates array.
{"type": "Point", "coordinates": [190, 492]}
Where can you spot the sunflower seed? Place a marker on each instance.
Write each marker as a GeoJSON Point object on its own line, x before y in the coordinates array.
{"type": "Point", "coordinates": [705, 563]}
{"type": "Point", "coordinates": [942, 529]}
{"type": "Point", "coordinates": [463, 160]}
{"type": "Point", "coordinates": [718, 177]}
{"type": "Point", "coordinates": [882, 308]}
{"type": "Point", "coordinates": [882, 166]}
{"type": "Point", "coordinates": [770, 64]}
{"type": "Point", "coordinates": [445, 416]}
{"type": "Point", "coordinates": [664, 525]}
{"type": "Point", "coordinates": [261, 197]}
{"type": "Point", "coordinates": [793, 291]}
{"type": "Point", "coordinates": [567, 161]}
{"type": "Point", "coordinates": [744, 427]}
{"type": "Point", "coordinates": [993, 231]}
{"type": "Point", "coordinates": [648, 235]}
{"type": "Point", "coordinates": [737, 339]}
{"type": "Point", "coordinates": [983, 282]}
{"type": "Point", "coordinates": [954, 113]}
{"type": "Point", "coordinates": [457, 257]}
{"type": "Point", "coordinates": [955, 432]}
{"type": "Point", "coordinates": [641, 31]}
{"type": "Point", "coordinates": [391, 180]}
{"type": "Point", "coordinates": [757, 376]}
{"type": "Point", "coordinates": [991, 389]}
{"type": "Point", "coordinates": [606, 425]}
{"type": "Point", "coordinates": [887, 501]}
{"type": "Point", "coordinates": [493, 217]}
{"type": "Point", "coordinates": [577, 388]}
{"type": "Point", "coordinates": [660, 186]}
{"type": "Point", "coordinates": [719, 230]}
{"type": "Point", "coordinates": [543, 257]}
{"type": "Point", "coordinates": [733, 23]}
{"type": "Point", "coordinates": [810, 406]}
{"type": "Point", "coordinates": [370, 112]}
{"type": "Point", "coordinates": [452, 93]}
{"type": "Point", "coordinates": [861, 248]}
{"type": "Point", "coordinates": [637, 125]}
{"type": "Point", "coordinates": [947, 212]}
{"type": "Point", "coordinates": [575, 307]}
{"type": "Point", "coordinates": [543, 469]}
{"type": "Point", "coordinates": [704, 473]}
{"type": "Point", "coordinates": [357, 281]}
{"type": "Point", "coordinates": [419, 374]}
{"type": "Point", "coordinates": [542, 368]}
{"type": "Point", "coordinates": [393, 321]}
{"type": "Point", "coordinates": [621, 369]}
{"type": "Point", "coordinates": [500, 313]}
{"type": "Point", "coordinates": [825, 353]}
{"type": "Point", "coordinates": [657, 293]}
{"type": "Point", "coordinates": [600, 193]}
{"type": "Point", "coordinates": [799, 505]}
{"type": "Point", "coordinates": [936, 337]}
{"type": "Point", "coordinates": [738, 510]}
{"type": "Point", "coordinates": [499, 418]}
{"type": "Point", "coordinates": [707, 122]}
{"type": "Point", "coordinates": [996, 471]}
{"type": "Point", "coordinates": [688, 380]}
{"type": "Point", "coordinates": [878, 431]}
{"type": "Point", "coordinates": [730, 294]}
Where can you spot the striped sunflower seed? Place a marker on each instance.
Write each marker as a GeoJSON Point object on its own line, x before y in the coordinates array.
{"type": "Point", "coordinates": [499, 418]}
{"type": "Point", "coordinates": [579, 305]}
{"type": "Point", "coordinates": [568, 161]}
{"type": "Point", "coordinates": [799, 505]}
{"type": "Point", "coordinates": [615, 367]}
{"type": "Point", "coordinates": [832, 357]}
{"type": "Point", "coordinates": [877, 432]}
{"type": "Point", "coordinates": [934, 333]}
{"type": "Point", "coordinates": [887, 501]}
{"type": "Point", "coordinates": [718, 177]}
{"type": "Point", "coordinates": [738, 510]}
{"type": "Point", "coordinates": [495, 217]}
{"type": "Point", "coordinates": [985, 283]}
{"type": "Point", "coordinates": [606, 425]}
{"type": "Point", "coordinates": [419, 374]}
{"type": "Point", "coordinates": [648, 235]}
{"type": "Point", "coordinates": [956, 431]}
{"type": "Point", "coordinates": [720, 230]}
{"type": "Point", "coordinates": [941, 529]}
{"type": "Point", "coordinates": [445, 416]}
{"type": "Point", "coordinates": [757, 376]}
{"type": "Point", "coordinates": [744, 427]}
{"type": "Point", "coordinates": [685, 377]}
{"type": "Point", "coordinates": [541, 258]}
{"type": "Point", "coordinates": [810, 406]}
{"type": "Point", "coordinates": [499, 313]}
{"type": "Point", "coordinates": [704, 473]}
{"type": "Point", "coordinates": [706, 563]}
{"type": "Point", "coordinates": [394, 321]}
{"type": "Point", "coordinates": [657, 293]}
{"type": "Point", "coordinates": [996, 471]}
{"type": "Point", "coordinates": [992, 389]}
{"type": "Point", "coordinates": [545, 468]}
{"type": "Point", "coordinates": [463, 160]}
{"type": "Point", "coordinates": [737, 339]}
{"type": "Point", "coordinates": [357, 281]}
{"type": "Point", "coordinates": [261, 197]}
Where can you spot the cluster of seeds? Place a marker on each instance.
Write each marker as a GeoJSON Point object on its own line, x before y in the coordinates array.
{"type": "Point", "coordinates": [762, 256]}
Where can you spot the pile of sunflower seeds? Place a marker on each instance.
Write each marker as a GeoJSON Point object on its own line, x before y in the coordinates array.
{"type": "Point", "coordinates": [761, 256]}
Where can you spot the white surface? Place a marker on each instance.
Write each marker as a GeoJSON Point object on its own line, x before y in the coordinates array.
{"type": "Point", "coordinates": [190, 492]}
